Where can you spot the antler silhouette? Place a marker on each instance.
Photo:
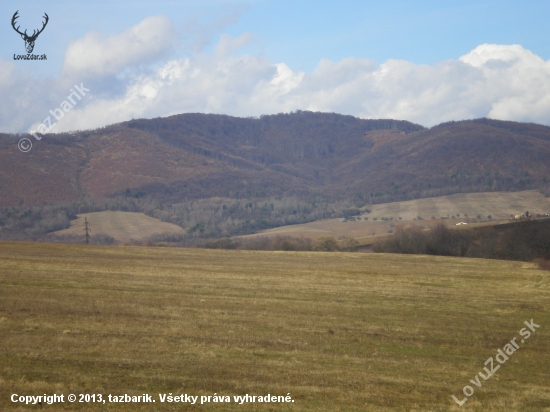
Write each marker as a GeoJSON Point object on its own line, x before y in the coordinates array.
{"type": "Point", "coordinates": [29, 40]}
{"type": "Point", "coordinates": [13, 19]}
{"type": "Point", "coordinates": [45, 16]}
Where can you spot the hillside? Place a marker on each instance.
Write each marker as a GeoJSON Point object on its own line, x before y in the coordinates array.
{"type": "Point", "coordinates": [304, 154]}
{"type": "Point", "coordinates": [121, 226]}
{"type": "Point", "coordinates": [472, 208]}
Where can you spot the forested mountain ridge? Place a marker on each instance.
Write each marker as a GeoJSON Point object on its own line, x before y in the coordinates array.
{"type": "Point", "coordinates": [303, 154]}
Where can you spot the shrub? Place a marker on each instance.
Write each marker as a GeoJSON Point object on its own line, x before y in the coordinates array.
{"type": "Point", "coordinates": [103, 239]}
{"type": "Point", "coordinates": [349, 243]}
{"type": "Point", "coordinates": [521, 241]}
{"type": "Point", "coordinates": [325, 243]}
{"type": "Point", "coordinates": [224, 243]}
{"type": "Point", "coordinates": [350, 212]}
{"type": "Point", "coordinates": [544, 264]}
{"type": "Point", "coordinates": [289, 243]}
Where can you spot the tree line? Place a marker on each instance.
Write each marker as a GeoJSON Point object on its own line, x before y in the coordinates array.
{"type": "Point", "coordinates": [524, 241]}
{"type": "Point", "coordinates": [202, 219]}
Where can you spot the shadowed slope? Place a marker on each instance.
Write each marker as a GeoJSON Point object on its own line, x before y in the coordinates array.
{"type": "Point", "coordinates": [307, 154]}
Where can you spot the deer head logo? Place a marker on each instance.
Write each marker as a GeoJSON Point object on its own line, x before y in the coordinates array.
{"type": "Point", "coordinates": [29, 40]}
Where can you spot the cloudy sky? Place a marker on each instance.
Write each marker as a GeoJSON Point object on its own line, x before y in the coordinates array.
{"type": "Point", "coordinates": [427, 62]}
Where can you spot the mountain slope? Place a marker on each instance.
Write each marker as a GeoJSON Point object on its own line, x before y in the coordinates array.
{"type": "Point", "coordinates": [468, 156]}
{"type": "Point", "coordinates": [304, 154]}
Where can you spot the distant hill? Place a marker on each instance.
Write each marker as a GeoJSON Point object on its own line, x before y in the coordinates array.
{"type": "Point", "coordinates": [304, 154]}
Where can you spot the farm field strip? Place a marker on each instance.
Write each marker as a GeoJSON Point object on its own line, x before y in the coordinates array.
{"type": "Point", "coordinates": [338, 331]}
{"type": "Point", "coordinates": [499, 205]}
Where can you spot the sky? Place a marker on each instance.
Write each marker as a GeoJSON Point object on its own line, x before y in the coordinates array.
{"type": "Point", "coordinates": [426, 62]}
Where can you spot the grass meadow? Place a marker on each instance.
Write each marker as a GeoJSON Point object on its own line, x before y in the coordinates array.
{"type": "Point", "coordinates": [338, 331]}
{"type": "Point", "coordinates": [122, 226]}
{"type": "Point", "coordinates": [460, 207]}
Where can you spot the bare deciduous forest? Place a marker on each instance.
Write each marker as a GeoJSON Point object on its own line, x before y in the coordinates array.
{"type": "Point", "coordinates": [203, 219]}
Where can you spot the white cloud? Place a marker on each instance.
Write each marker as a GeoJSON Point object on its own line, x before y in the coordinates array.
{"type": "Point", "coordinates": [200, 28]}
{"type": "Point", "coordinates": [499, 81]}
{"type": "Point", "coordinates": [499, 56]}
{"type": "Point", "coordinates": [97, 55]}
{"type": "Point", "coordinates": [505, 82]}
{"type": "Point", "coordinates": [23, 98]}
{"type": "Point", "coordinates": [516, 82]}
{"type": "Point", "coordinates": [228, 45]}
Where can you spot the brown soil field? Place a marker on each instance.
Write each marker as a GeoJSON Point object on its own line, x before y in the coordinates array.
{"type": "Point", "coordinates": [123, 226]}
{"type": "Point", "coordinates": [334, 331]}
{"type": "Point", "coordinates": [463, 207]}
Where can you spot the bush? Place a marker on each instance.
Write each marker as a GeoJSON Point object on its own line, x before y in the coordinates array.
{"type": "Point", "coordinates": [103, 239]}
{"type": "Point", "coordinates": [289, 243]}
{"type": "Point", "coordinates": [520, 241]}
{"type": "Point", "coordinates": [325, 243]}
{"type": "Point", "coordinates": [224, 243]}
{"type": "Point", "coordinates": [409, 241]}
{"type": "Point", "coordinates": [544, 264]}
{"type": "Point", "coordinates": [286, 243]}
{"type": "Point", "coordinates": [350, 212]}
{"type": "Point", "coordinates": [349, 244]}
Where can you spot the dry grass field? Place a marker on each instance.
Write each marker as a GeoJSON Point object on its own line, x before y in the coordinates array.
{"type": "Point", "coordinates": [338, 331]}
{"type": "Point", "coordinates": [123, 226]}
{"type": "Point", "coordinates": [500, 205]}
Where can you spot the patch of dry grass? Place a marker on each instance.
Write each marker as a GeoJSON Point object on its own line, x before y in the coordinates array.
{"type": "Point", "coordinates": [123, 226]}
{"type": "Point", "coordinates": [340, 332]}
{"type": "Point", "coordinates": [500, 205]}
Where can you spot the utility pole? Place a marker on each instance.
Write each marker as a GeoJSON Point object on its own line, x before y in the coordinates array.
{"type": "Point", "coordinates": [87, 230]}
